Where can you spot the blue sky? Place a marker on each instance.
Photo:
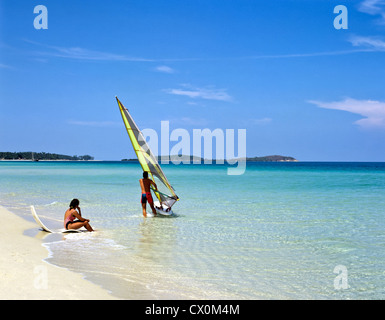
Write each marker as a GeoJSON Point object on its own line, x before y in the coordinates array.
{"type": "Point", "coordinates": [278, 69]}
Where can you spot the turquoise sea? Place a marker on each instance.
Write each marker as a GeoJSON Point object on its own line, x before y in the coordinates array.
{"type": "Point", "coordinates": [276, 232]}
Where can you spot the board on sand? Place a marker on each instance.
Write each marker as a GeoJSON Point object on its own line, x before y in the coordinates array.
{"type": "Point", "coordinates": [41, 224]}
{"type": "Point", "coordinates": [162, 211]}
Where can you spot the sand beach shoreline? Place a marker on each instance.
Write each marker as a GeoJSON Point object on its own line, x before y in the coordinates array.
{"type": "Point", "coordinates": [25, 275]}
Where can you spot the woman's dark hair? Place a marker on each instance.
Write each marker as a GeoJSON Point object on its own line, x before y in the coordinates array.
{"type": "Point", "coordinates": [74, 203]}
{"type": "Point", "coordinates": [145, 174]}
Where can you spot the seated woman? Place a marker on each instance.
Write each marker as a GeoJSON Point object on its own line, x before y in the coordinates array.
{"type": "Point", "coordinates": [75, 212]}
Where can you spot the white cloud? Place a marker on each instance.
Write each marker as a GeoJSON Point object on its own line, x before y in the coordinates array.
{"type": "Point", "coordinates": [93, 123]}
{"type": "Point", "coordinates": [191, 121]}
{"type": "Point", "coordinates": [87, 54]}
{"type": "Point", "coordinates": [202, 93]}
{"type": "Point", "coordinates": [78, 53]}
{"type": "Point", "coordinates": [256, 121]}
{"type": "Point", "coordinates": [374, 43]}
{"type": "Point", "coordinates": [372, 111]}
{"type": "Point", "coordinates": [373, 7]}
{"type": "Point", "coordinates": [83, 54]}
{"type": "Point", "coordinates": [164, 69]}
{"type": "Point", "coordinates": [261, 121]}
{"type": "Point", "coordinates": [307, 55]}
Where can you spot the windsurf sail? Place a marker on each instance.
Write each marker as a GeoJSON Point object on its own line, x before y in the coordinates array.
{"type": "Point", "coordinates": [165, 193]}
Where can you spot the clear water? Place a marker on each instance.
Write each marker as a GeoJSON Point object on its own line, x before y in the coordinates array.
{"type": "Point", "coordinates": [276, 232]}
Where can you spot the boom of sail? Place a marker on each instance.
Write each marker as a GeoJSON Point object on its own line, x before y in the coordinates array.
{"type": "Point", "coordinates": [165, 193]}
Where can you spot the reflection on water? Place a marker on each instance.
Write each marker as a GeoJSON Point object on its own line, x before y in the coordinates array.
{"type": "Point", "coordinates": [156, 240]}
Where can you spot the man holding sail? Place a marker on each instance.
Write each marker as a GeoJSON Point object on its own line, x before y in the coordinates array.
{"type": "Point", "coordinates": [145, 185]}
{"type": "Point", "coordinates": [149, 164]}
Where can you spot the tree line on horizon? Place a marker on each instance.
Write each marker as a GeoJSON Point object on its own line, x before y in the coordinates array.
{"type": "Point", "coordinates": [41, 156]}
{"type": "Point", "coordinates": [273, 158]}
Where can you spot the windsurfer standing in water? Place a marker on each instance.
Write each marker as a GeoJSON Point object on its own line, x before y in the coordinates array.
{"type": "Point", "coordinates": [145, 185]}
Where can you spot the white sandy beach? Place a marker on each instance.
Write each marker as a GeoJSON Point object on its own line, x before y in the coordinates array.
{"type": "Point", "coordinates": [24, 274]}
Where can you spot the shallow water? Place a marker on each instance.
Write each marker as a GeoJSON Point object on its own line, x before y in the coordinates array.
{"type": "Point", "coordinates": [276, 232]}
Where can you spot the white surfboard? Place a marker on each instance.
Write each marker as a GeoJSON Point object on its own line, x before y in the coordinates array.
{"type": "Point", "coordinates": [163, 210]}
{"type": "Point", "coordinates": [41, 224]}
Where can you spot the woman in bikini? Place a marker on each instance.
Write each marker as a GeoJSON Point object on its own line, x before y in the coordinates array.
{"type": "Point", "coordinates": [75, 212]}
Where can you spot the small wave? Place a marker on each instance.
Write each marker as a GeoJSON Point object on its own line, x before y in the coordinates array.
{"type": "Point", "coordinates": [80, 236]}
{"type": "Point", "coordinates": [51, 204]}
{"type": "Point", "coordinates": [96, 239]}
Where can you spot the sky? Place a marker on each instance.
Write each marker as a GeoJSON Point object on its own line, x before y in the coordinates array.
{"type": "Point", "coordinates": [279, 69]}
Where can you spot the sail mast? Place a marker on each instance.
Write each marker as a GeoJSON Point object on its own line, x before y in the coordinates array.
{"type": "Point", "coordinates": [147, 160]}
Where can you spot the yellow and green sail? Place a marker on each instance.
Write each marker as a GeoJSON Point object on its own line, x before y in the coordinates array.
{"type": "Point", "coordinates": [147, 160]}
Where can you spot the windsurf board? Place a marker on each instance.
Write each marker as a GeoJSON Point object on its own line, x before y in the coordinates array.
{"type": "Point", "coordinates": [42, 225]}
{"type": "Point", "coordinates": [163, 210]}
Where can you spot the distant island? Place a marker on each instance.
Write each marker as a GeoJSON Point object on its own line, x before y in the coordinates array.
{"type": "Point", "coordinates": [36, 156]}
{"type": "Point", "coordinates": [274, 158]}
{"type": "Point", "coordinates": [192, 159]}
